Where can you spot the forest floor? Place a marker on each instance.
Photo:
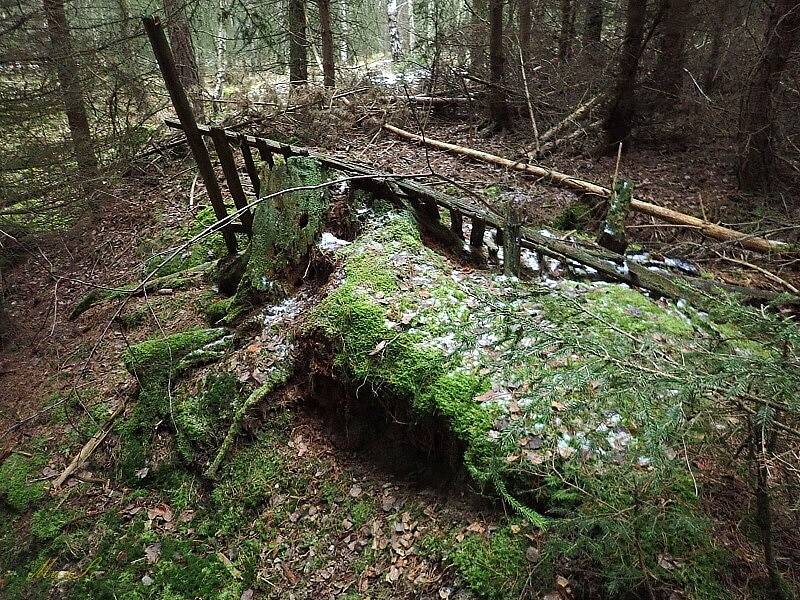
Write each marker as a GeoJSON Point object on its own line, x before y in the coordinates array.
{"type": "Point", "coordinates": [330, 522]}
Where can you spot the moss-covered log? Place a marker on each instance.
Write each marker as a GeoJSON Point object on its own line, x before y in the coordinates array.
{"type": "Point", "coordinates": [565, 398]}
{"type": "Point", "coordinates": [174, 281]}
{"type": "Point", "coordinates": [157, 365]}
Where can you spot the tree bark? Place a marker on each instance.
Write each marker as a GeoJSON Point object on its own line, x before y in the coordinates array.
{"type": "Point", "coordinates": [477, 48]}
{"type": "Point", "coordinates": [69, 80]}
{"type": "Point", "coordinates": [326, 33]}
{"type": "Point", "coordinates": [619, 121]}
{"type": "Point", "coordinates": [222, 43]}
{"type": "Point", "coordinates": [180, 40]}
{"type": "Point", "coordinates": [524, 25]}
{"type": "Point", "coordinates": [756, 127]}
{"type": "Point", "coordinates": [668, 74]}
{"type": "Point", "coordinates": [718, 30]}
{"type": "Point", "coordinates": [593, 24]}
{"type": "Point", "coordinates": [395, 47]}
{"type": "Point", "coordinates": [566, 36]}
{"type": "Point", "coordinates": [498, 104]}
{"type": "Point", "coordinates": [298, 42]}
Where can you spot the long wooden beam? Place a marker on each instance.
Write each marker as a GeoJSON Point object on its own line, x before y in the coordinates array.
{"type": "Point", "coordinates": [750, 242]}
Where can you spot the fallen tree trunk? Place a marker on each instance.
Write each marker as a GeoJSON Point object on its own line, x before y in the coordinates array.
{"type": "Point", "coordinates": [435, 100]}
{"type": "Point", "coordinates": [750, 242]}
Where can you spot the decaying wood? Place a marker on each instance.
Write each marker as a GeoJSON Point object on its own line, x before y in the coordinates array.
{"type": "Point", "coordinates": [180, 102]}
{"type": "Point", "coordinates": [750, 242]}
{"type": "Point", "coordinates": [612, 229]}
{"type": "Point", "coordinates": [611, 265]}
{"type": "Point", "coordinates": [575, 117]}
{"type": "Point", "coordinates": [567, 139]}
{"type": "Point", "coordinates": [177, 280]}
{"type": "Point", "coordinates": [89, 447]}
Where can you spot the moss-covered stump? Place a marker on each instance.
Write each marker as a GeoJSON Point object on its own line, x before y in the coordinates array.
{"type": "Point", "coordinates": [157, 365]}
{"type": "Point", "coordinates": [566, 398]}
{"type": "Point", "coordinates": [285, 228]}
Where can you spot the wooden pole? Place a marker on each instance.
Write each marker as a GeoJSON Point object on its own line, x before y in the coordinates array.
{"type": "Point", "coordinates": [166, 62]}
{"type": "Point", "coordinates": [476, 234]}
{"type": "Point", "coordinates": [265, 154]}
{"type": "Point", "coordinates": [457, 223]}
{"type": "Point", "coordinates": [228, 163]}
{"type": "Point", "coordinates": [250, 166]}
{"type": "Point", "coordinates": [511, 240]}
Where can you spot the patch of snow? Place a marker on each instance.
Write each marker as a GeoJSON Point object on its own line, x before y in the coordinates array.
{"type": "Point", "coordinates": [329, 242]}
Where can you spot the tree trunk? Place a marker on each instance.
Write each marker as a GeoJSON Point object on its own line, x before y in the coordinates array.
{"type": "Point", "coordinates": [567, 34]}
{"type": "Point", "coordinates": [524, 24]}
{"type": "Point", "coordinates": [326, 33]}
{"type": "Point", "coordinates": [222, 42]}
{"type": "Point", "coordinates": [298, 43]}
{"type": "Point", "coordinates": [477, 47]}
{"type": "Point", "coordinates": [619, 121]}
{"type": "Point", "coordinates": [756, 127]}
{"type": "Point", "coordinates": [593, 24]}
{"type": "Point", "coordinates": [180, 39]}
{"type": "Point", "coordinates": [498, 106]}
{"type": "Point", "coordinates": [69, 80]}
{"type": "Point", "coordinates": [668, 73]}
{"type": "Point", "coordinates": [344, 15]}
{"type": "Point", "coordinates": [718, 30]}
{"type": "Point", "coordinates": [395, 47]}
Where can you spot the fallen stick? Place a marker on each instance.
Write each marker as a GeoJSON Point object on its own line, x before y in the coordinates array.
{"type": "Point", "coordinates": [577, 134]}
{"type": "Point", "coordinates": [89, 447]}
{"type": "Point", "coordinates": [750, 242]}
{"type": "Point", "coordinates": [574, 117]}
{"type": "Point", "coordinates": [434, 100]}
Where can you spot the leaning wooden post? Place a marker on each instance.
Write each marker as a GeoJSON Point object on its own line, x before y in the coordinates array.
{"type": "Point", "coordinates": [511, 240]}
{"type": "Point", "coordinates": [250, 165]}
{"type": "Point", "coordinates": [265, 153]}
{"type": "Point", "coordinates": [457, 223]}
{"type": "Point", "coordinates": [228, 163]}
{"type": "Point", "coordinates": [476, 235]}
{"type": "Point", "coordinates": [166, 62]}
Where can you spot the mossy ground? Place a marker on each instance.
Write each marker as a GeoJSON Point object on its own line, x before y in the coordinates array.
{"type": "Point", "coordinates": [567, 398]}
{"type": "Point", "coordinates": [570, 397]}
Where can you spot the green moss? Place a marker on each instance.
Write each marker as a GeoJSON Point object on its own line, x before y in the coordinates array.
{"type": "Point", "coordinates": [215, 311]}
{"type": "Point", "coordinates": [48, 523]}
{"type": "Point", "coordinates": [493, 567]}
{"type": "Point", "coordinates": [16, 489]}
{"type": "Point", "coordinates": [286, 227]}
{"type": "Point", "coordinates": [156, 364]}
{"type": "Point", "coordinates": [184, 570]}
{"type": "Point", "coordinates": [633, 312]}
{"type": "Point", "coordinates": [207, 249]}
{"type": "Point", "coordinates": [251, 477]}
{"type": "Point", "coordinates": [576, 216]}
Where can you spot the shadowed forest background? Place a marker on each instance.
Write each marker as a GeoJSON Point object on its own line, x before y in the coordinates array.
{"type": "Point", "coordinates": [399, 299]}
